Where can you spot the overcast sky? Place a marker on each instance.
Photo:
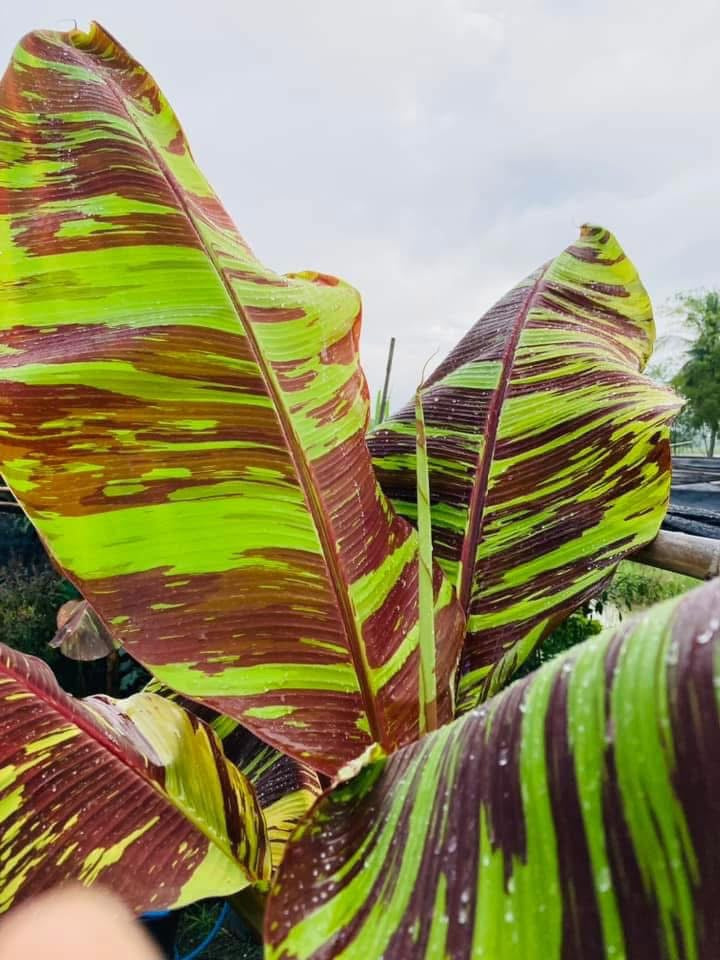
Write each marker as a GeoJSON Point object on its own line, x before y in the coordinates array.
{"type": "Point", "coordinates": [433, 152]}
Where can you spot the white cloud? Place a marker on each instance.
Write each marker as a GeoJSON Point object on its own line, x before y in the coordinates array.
{"type": "Point", "coordinates": [433, 152]}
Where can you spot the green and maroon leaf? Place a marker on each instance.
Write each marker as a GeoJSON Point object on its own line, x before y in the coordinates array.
{"type": "Point", "coordinates": [186, 428]}
{"type": "Point", "coordinates": [572, 816]}
{"type": "Point", "coordinates": [285, 788]}
{"type": "Point", "coordinates": [133, 794]}
{"type": "Point", "coordinates": [549, 452]}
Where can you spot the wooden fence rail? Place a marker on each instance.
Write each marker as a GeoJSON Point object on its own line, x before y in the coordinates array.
{"type": "Point", "coordinates": [682, 553]}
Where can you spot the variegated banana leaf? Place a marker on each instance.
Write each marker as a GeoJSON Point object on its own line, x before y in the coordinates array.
{"type": "Point", "coordinates": [572, 816]}
{"type": "Point", "coordinates": [134, 794]}
{"type": "Point", "coordinates": [549, 452]}
{"type": "Point", "coordinates": [186, 428]}
{"type": "Point", "coordinates": [285, 788]}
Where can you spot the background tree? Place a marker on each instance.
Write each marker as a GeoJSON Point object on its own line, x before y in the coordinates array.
{"type": "Point", "coordinates": [699, 377]}
{"type": "Point", "coordinates": [684, 435]}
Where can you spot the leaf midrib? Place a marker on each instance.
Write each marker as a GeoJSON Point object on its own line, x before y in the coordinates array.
{"type": "Point", "coordinates": [293, 446]}
{"type": "Point", "coordinates": [476, 507]}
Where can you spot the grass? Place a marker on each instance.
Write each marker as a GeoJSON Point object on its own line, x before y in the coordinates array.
{"type": "Point", "coordinates": [196, 923]}
{"type": "Point", "coordinates": [635, 586]}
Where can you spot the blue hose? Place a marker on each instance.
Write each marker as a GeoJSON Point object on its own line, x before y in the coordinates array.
{"type": "Point", "coordinates": [209, 938]}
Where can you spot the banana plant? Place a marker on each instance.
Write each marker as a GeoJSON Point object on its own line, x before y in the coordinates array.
{"type": "Point", "coordinates": [326, 606]}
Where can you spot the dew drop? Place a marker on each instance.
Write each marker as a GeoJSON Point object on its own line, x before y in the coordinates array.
{"type": "Point", "coordinates": [503, 757]}
{"type": "Point", "coordinates": [602, 880]}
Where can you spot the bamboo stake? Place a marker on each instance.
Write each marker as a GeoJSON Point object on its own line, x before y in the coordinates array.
{"type": "Point", "coordinates": [386, 386]}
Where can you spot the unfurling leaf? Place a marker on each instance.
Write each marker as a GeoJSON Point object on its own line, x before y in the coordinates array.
{"type": "Point", "coordinates": [574, 815]}
{"type": "Point", "coordinates": [549, 453]}
{"type": "Point", "coordinates": [134, 794]}
{"type": "Point", "coordinates": [285, 788]}
{"type": "Point", "coordinates": [81, 635]}
{"type": "Point", "coordinates": [186, 428]}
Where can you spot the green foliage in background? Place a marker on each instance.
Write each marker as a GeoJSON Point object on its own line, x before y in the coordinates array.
{"type": "Point", "coordinates": [18, 540]}
{"type": "Point", "coordinates": [29, 599]}
{"type": "Point", "coordinates": [699, 377]}
{"type": "Point", "coordinates": [636, 585]}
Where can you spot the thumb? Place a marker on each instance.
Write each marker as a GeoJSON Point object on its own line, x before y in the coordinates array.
{"type": "Point", "coordinates": [74, 924]}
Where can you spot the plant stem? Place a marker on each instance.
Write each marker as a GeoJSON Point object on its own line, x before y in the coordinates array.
{"type": "Point", "coordinates": [426, 598]}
